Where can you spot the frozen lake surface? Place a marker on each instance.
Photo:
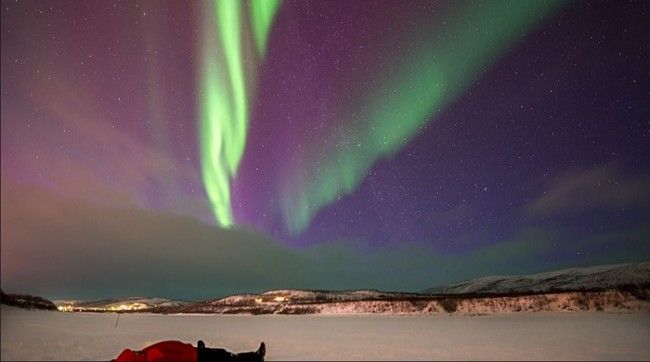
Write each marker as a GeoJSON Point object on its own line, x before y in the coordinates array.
{"type": "Point", "coordinates": [39, 335]}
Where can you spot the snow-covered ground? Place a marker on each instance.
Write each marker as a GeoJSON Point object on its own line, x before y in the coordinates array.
{"type": "Point", "coordinates": [42, 335]}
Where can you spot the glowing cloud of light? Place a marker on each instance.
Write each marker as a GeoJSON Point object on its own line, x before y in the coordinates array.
{"type": "Point", "coordinates": [392, 114]}
{"type": "Point", "coordinates": [223, 107]}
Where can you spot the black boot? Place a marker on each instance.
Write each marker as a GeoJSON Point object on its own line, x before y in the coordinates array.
{"type": "Point", "coordinates": [252, 356]}
{"type": "Point", "coordinates": [261, 352]}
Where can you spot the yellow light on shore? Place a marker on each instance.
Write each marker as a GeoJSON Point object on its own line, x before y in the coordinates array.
{"type": "Point", "coordinates": [113, 308]}
{"type": "Point", "coordinates": [126, 307]}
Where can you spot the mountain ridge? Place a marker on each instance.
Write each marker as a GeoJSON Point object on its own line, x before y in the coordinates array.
{"type": "Point", "coordinates": [593, 278]}
{"type": "Point", "coordinates": [615, 288]}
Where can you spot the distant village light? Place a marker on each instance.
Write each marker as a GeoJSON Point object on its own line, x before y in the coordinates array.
{"type": "Point", "coordinates": [111, 308]}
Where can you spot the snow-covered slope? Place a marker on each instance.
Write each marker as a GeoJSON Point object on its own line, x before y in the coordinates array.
{"type": "Point", "coordinates": [292, 302]}
{"type": "Point", "coordinates": [623, 287]}
{"type": "Point", "coordinates": [600, 288]}
{"type": "Point", "coordinates": [602, 277]}
{"type": "Point", "coordinates": [303, 302]}
{"type": "Point", "coordinates": [113, 305]}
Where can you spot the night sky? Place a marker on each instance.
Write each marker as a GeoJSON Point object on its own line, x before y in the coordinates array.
{"type": "Point", "coordinates": [197, 149]}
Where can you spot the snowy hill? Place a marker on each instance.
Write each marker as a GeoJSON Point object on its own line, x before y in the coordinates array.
{"type": "Point", "coordinates": [604, 277]}
{"type": "Point", "coordinates": [623, 287]}
{"type": "Point", "coordinates": [368, 302]}
{"type": "Point", "coordinates": [599, 288]}
{"type": "Point", "coordinates": [294, 302]}
{"type": "Point", "coordinates": [116, 305]}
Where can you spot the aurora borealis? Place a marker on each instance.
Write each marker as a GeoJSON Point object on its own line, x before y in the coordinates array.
{"type": "Point", "coordinates": [211, 147]}
{"type": "Point", "coordinates": [393, 110]}
{"type": "Point", "coordinates": [224, 95]}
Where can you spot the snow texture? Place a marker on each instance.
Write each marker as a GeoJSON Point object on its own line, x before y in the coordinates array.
{"type": "Point", "coordinates": [43, 335]}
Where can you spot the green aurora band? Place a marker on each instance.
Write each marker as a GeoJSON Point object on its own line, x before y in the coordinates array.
{"type": "Point", "coordinates": [262, 13]}
{"type": "Point", "coordinates": [223, 108]}
{"type": "Point", "coordinates": [391, 115]}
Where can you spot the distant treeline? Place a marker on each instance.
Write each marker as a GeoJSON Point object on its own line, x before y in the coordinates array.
{"type": "Point", "coordinates": [26, 301]}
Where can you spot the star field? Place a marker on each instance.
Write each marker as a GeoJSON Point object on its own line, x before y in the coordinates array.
{"type": "Point", "coordinates": [382, 144]}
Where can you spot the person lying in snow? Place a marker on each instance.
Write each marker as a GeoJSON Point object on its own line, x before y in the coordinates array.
{"type": "Point", "coordinates": [176, 351]}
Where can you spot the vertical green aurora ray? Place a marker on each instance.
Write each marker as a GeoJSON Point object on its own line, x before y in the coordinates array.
{"type": "Point", "coordinates": [262, 13]}
{"type": "Point", "coordinates": [228, 20]}
{"type": "Point", "coordinates": [223, 108]}
{"type": "Point", "coordinates": [215, 118]}
{"type": "Point", "coordinates": [223, 118]}
{"type": "Point", "coordinates": [391, 115]}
